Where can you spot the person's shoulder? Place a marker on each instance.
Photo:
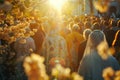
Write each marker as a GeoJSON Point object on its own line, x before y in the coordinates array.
{"type": "Point", "coordinates": [111, 58]}
{"type": "Point", "coordinates": [114, 61]}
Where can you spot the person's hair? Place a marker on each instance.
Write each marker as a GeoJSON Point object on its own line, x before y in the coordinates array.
{"type": "Point", "coordinates": [34, 25]}
{"type": "Point", "coordinates": [96, 26]}
{"type": "Point", "coordinates": [106, 23]}
{"type": "Point", "coordinates": [114, 23]}
{"type": "Point", "coordinates": [75, 27]}
{"type": "Point", "coordinates": [87, 24]}
{"type": "Point", "coordinates": [86, 33]}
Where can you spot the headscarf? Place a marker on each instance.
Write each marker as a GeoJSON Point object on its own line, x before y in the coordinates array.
{"type": "Point", "coordinates": [96, 42]}
{"type": "Point", "coordinates": [96, 57]}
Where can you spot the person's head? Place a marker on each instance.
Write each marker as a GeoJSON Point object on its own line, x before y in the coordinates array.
{"type": "Point", "coordinates": [76, 19]}
{"type": "Point", "coordinates": [97, 42]}
{"type": "Point", "coordinates": [75, 27]}
{"type": "Point", "coordinates": [55, 23]}
{"type": "Point", "coordinates": [113, 23]}
{"type": "Point", "coordinates": [87, 24]}
{"type": "Point", "coordinates": [96, 26]}
{"type": "Point", "coordinates": [96, 37]}
{"type": "Point", "coordinates": [106, 24]}
{"type": "Point", "coordinates": [86, 33]}
{"type": "Point", "coordinates": [34, 25]}
{"type": "Point", "coordinates": [27, 29]}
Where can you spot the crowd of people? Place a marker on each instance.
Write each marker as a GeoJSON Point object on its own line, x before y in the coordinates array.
{"type": "Point", "coordinates": [86, 44]}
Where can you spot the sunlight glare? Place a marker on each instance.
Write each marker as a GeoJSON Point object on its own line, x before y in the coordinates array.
{"type": "Point", "coordinates": [57, 3]}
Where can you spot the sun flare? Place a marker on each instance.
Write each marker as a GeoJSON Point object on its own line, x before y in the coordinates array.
{"type": "Point", "coordinates": [58, 4]}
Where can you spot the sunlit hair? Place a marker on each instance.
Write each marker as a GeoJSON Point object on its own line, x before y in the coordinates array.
{"type": "Point", "coordinates": [105, 23]}
{"type": "Point", "coordinates": [86, 33]}
{"type": "Point", "coordinates": [75, 27]}
{"type": "Point", "coordinates": [116, 38]}
{"type": "Point", "coordinates": [96, 26]}
{"type": "Point", "coordinates": [87, 24]}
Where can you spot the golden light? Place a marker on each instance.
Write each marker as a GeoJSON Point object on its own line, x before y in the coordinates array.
{"type": "Point", "coordinates": [58, 4]}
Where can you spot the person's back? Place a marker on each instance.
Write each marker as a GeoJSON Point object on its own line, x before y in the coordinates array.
{"type": "Point", "coordinates": [55, 45]}
{"type": "Point", "coordinates": [38, 37]}
{"type": "Point", "coordinates": [54, 48]}
{"type": "Point", "coordinates": [93, 65]}
{"type": "Point", "coordinates": [82, 45]}
{"type": "Point", "coordinates": [96, 58]}
{"type": "Point", "coordinates": [23, 48]}
{"type": "Point", "coordinates": [73, 40]}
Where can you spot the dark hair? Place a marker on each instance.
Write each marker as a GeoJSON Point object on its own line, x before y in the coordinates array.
{"type": "Point", "coordinates": [96, 26]}
{"type": "Point", "coordinates": [114, 23]}
{"type": "Point", "coordinates": [86, 33]}
{"type": "Point", "coordinates": [87, 24]}
{"type": "Point", "coordinates": [106, 23]}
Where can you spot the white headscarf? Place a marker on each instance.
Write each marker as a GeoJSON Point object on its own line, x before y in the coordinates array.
{"type": "Point", "coordinates": [96, 43]}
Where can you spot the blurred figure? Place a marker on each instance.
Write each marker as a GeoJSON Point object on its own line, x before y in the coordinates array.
{"type": "Point", "coordinates": [38, 36]}
{"type": "Point", "coordinates": [23, 47]}
{"type": "Point", "coordinates": [73, 40]}
{"type": "Point", "coordinates": [54, 48]}
{"type": "Point", "coordinates": [96, 57]}
{"type": "Point", "coordinates": [110, 31]}
{"type": "Point", "coordinates": [83, 44]}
